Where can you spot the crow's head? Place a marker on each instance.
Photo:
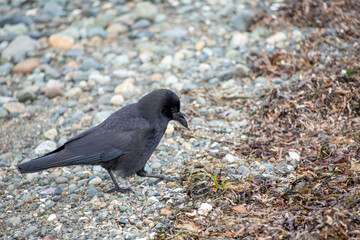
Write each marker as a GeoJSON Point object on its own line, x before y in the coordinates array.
{"type": "Point", "coordinates": [162, 103]}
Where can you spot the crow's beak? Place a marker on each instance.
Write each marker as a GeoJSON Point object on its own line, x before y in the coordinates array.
{"type": "Point", "coordinates": [180, 118]}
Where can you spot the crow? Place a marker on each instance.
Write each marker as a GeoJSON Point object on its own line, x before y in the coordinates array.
{"type": "Point", "coordinates": [122, 143]}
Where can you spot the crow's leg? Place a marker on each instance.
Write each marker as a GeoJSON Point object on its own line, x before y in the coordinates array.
{"type": "Point", "coordinates": [117, 188]}
{"type": "Point", "coordinates": [143, 173]}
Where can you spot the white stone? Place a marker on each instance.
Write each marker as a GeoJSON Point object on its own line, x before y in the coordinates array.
{"type": "Point", "coordinates": [45, 147]}
{"type": "Point", "coordinates": [52, 217]}
{"type": "Point", "coordinates": [229, 158]}
{"type": "Point", "coordinates": [204, 209]}
{"type": "Point", "coordinates": [239, 39]}
{"type": "Point", "coordinates": [51, 134]}
{"type": "Point", "coordinates": [95, 181]}
{"type": "Point", "coordinates": [277, 37]}
{"type": "Point", "coordinates": [99, 78]}
{"type": "Point", "coordinates": [117, 100]}
{"type": "Point", "coordinates": [153, 199]}
{"type": "Point", "coordinates": [294, 156]}
{"type": "Point", "coordinates": [170, 129]}
{"type": "Point", "coordinates": [127, 87]}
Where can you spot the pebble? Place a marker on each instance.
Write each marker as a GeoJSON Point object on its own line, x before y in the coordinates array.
{"type": "Point", "coordinates": [114, 30]}
{"type": "Point", "coordinates": [74, 92]}
{"type": "Point", "coordinates": [205, 209]}
{"type": "Point", "coordinates": [51, 134]}
{"type": "Point", "coordinates": [63, 42]}
{"type": "Point", "coordinates": [95, 181]}
{"type": "Point", "coordinates": [99, 78]}
{"type": "Point", "coordinates": [14, 221]}
{"type": "Point", "coordinates": [14, 107]}
{"type": "Point", "coordinates": [30, 230]}
{"type": "Point", "coordinates": [20, 45]}
{"type": "Point", "coordinates": [294, 156]}
{"type": "Point", "coordinates": [176, 32]}
{"type": "Point", "coordinates": [117, 100]}
{"type": "Point", "coordinates": [277, 37]}
{"type": "Point", "coordinates": [45, 147]}
{"type": "Point", "coordinates": [52, 217]}
{"type": "Point", "coordinates": [27, 94]}
{"type": "Point", "coordinates": [3, 112]}
{"type": "Point", "coordinates": [156, 165]}
{"type": "Point", "coordinates": [51, 92]}
{"type": "Point", "coordinates": [145, 10]}
{"type": "Point", "coordinates": [26, 66]}
{"type": "Point", "coordinates": [170, 129]}
{"type": "Point", "coordinates": [100, 117]}
{"type": "Point", "coordinates": [61, 180]}
{"type": "Point", "coordinates": [90, 63]}
{"type": "Point", "coordinates": [242, 20]}
{"type": "Point", "coordinates": [229, 158]}
{"type": "Point", "coordinates": [127, 87]}
{"type": "Point", "coordinates": [240, 39]}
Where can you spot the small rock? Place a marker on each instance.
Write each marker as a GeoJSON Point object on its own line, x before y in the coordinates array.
{"type": "Point", "coordinates": [100, 117]}
{"type": "Point", "coordinates": [120, 61]}
{"type": "Point", "coordinates": [61, 41]}
{"type": "Point", "coordinates": [277, 37]}
{"type": "Point", "coordinates": [96, 31]}
{"type": "Point", "coordinates": [45, 147]}
{"type": "Point", "coordinates": [92, 192]}
{"type": "Point", "coordinates": [16, 29]}
{"type": "Point", "coordinates": [152, 199]}
{"type": "Point", "coordinates": [61, 180]}
{"type": "Point", "coordinates": [20, 45]}
{"type": "Point", "coordinates": [156, 165]}
{"type": "Point", "coordinates": [114, 30]}
{"type": "Point", "coordinates": [90, 63]}
{"type": "Point", "coordinates": [294, 156]}
{"type": "Point", "coordinates": [142, 23]}
{"type": "Point", "coordinates": [165, 212]}
{"type": "Point", "coordinates": [51, 134]}
{"type": "Point", "coordinates": [277, 81]}
{"type": "Point", "coordinates": [199, 45]}
{"type": "Point", "coordinates": [145, 10]}
{"type": "Point", "coordinates": [30, 230]}
{"type": "Point", "coordinates": [127, 87]}
{"type": "Point", "coordinates": [52, 217]}
{"type": "Point", "coordinates": [27, 94]}
{"type": "Point", "coordinates": [240, 39]}
{"type": "Point", "coordinates": [243, 20]}
{"type": "Point", "coordinates": [95, 181]}
{"type": "Point", "coordinates": [117, 100]}
{"type": "Point", "coordinates": [243, 123]}
{"type": "Point", "coordinates": [26, 66]}
{"type": "Point", "coordinates": [14, 107]}
{"type": "Point", "coordinates": [3, 113]}
{"type": "Point", "coordinates": [177, 32]}
{"type": "Point", "coordinates": [51, 92]}
{"type": "Point", "coordinates": [99, 78]}
{"type": "Point", "coordinates": [205, 209]}
{"type": "Point", "coordinates": [74, 92]}
{"type": "Point", "coordinates": [170, 129]}
{"type": "Point", "coordinates": [14, 221]}
{"type": "Point", "coordinates": [229, 158]}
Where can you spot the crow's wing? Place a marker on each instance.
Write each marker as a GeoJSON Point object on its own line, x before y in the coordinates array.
{"type": "Point", "coordinates": [121, 133]}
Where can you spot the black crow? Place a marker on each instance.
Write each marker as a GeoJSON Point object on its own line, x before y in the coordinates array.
{"type": "Point", "coordinates": [122, 143]}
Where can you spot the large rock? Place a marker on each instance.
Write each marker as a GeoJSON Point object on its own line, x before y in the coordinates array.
{"type": "Point", "coordinates": [61, 41]}
{"type": "Point", "coordinates": [145, 10]}
{"type": "Point", "coordinates": [26, 66]}
{"type": "Point", "coordinates": [20, 45]}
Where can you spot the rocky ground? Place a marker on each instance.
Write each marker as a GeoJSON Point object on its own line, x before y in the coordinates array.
{"type": "Point", "coordinates": [271, 90]}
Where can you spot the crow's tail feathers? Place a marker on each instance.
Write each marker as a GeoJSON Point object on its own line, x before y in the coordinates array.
{"type": "Point", "coordinates": [54, 160]}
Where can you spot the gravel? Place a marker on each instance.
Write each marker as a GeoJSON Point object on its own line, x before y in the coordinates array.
{"type": "Point", "coordinates": [113, 54]}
